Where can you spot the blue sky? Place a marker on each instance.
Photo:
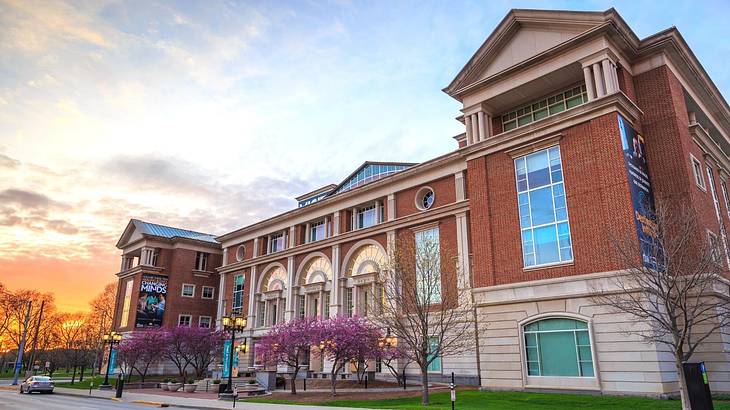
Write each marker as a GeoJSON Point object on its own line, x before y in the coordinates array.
{"type": "Point", "coordinates": [211, 115]}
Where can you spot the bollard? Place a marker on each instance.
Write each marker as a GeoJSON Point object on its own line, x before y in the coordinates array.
{"type": "Point", "coordinates": [120, 386]}
{"type": "Point", "coordinates": [452, 387]}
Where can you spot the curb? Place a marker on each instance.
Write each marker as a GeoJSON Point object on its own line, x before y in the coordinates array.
{"type": "Point", "coordinates": [150, 403]}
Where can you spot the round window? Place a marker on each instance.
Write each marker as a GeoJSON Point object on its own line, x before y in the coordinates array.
{"type": "Point", "coordinates": [425, 198]}
{"type": "Point", "coordinates": [240, 253]}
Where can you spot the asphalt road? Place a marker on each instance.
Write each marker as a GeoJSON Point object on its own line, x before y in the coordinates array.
{"type": "Point", "coordinates": [11, 400]}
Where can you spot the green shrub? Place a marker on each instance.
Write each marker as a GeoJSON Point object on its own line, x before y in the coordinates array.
{"type": "Point", "coordinates": [217, 381]}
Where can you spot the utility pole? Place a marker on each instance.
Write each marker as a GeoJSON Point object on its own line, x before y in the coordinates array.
{"type": "Point", "coordinates": [19, 360]}
{"type": "Point", "coordinates": [35, 337]}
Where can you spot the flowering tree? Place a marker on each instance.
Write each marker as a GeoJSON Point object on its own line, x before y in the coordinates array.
{"type": "Point", "coordinates": [128, 355]}
{"type": "Point", "coordinates": [176, 342]}
{"type": "Point", "coordinates": [346, 339]}
{"type": "Point", "coordinates": [289, 342]}
{"type": "Point", "coordinates": [203, 347]}
{"type": "Point", "coordinates": [142, 349]}
{"type": "Point", "coordinates": [389, 356]}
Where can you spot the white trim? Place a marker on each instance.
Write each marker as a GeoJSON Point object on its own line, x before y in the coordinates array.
{"type": "Point", "coordinates": [185, 314]}
{"type": "Point", "coordinates": [210, 321]}
{"type": "Point", "coordinates": [182, 290]}
{"type": "Point", "coordinates": [242, 249]}
{"type": "Point", "coordinates": [212, 294]}
{"type": "Point", "coordinates": [420, 194]}
{"type": "Point", "coordinates": [698, 177]}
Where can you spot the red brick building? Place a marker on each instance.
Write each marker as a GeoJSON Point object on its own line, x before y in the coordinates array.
{"type": "Point", "coordinates": [167, 278]}
{"type": "Point", "coordinates": [556, 106]}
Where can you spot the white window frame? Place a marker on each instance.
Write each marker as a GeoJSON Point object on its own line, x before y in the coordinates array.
{"type": "Point", "coordinates": [182, 315]}
{"type": "Point", "coordinates": [361, 211]}
{"type": "Point", "coordinates": [210, 321]}
{"type": "Point", "coordinates": [182, 290]}
{"type": "Point", "coordinates": [698, 174]}
{"type": "Point", "coordinates": [312, 231]}
{"type": "Point", "coordinates": [275, 238]}
{"type": "Point", "coordinates": [421, 231]}
{"type": "Point", "coordinates": [235, 308]}
{"type": "Point", "coordinates": [714, 242]}
{"type": "Point", "coordinates": [718, 213]}
{"type": "Point", "coordinates": [240, 253]}
{"type": "Point", "coordinates": [529, 110]}
{"type": "Point", "coordinates": [212, 292]}
{"type": "Point", "coordinates": [555, 223]}
{"type": "Point", "coordinates": [726, 197]}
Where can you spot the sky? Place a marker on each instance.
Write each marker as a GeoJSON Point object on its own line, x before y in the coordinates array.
{"type": "Point", "coordinates": [210, 115]}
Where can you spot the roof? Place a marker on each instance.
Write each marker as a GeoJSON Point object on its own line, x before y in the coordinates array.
{"type": "Point", "coordinates": [163, 231]}
{"type": "Point", "coordinates": [391, 168]}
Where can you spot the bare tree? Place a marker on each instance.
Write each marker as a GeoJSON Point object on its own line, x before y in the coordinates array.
{"type": "Point", "coordinates": [425, 302]}
{"type": "Point", "coordinates": [673, 283]}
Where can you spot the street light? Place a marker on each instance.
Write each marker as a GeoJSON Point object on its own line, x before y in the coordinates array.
{"type": "Point", "coordinates": [112, 338]}
{"type": "Point", "coordinates": [233, 324]}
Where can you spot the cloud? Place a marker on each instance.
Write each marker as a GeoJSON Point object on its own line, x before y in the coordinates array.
{"type": "Point", "coordinates": [28, 199]}
{"type": "Point", "coordinates": [7, 162]}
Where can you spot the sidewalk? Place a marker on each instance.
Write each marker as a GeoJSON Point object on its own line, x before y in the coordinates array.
{"type": "Point", "coordinates": [185, 402]}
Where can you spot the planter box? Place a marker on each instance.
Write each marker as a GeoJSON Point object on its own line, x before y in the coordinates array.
{"type": "Point", "coordinates": [174, 386]}
{"type": "Point", "coordinates": [190, 388]}
{"type": "Point", "coordinates": [164, 387]}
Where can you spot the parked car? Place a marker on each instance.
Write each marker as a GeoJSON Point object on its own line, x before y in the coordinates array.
{"type": "Point", "coordinates": [42, 384]}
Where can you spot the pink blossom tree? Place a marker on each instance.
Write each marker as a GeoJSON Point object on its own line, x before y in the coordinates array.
{"type": "Point", "coordinates": [142, 349]}
{"type": "Point", "coordinates": [204, 347]}
{"type": "Point", "coordinates": [389, 356]}
{"type": "Point", "coordinates": [289, 343]}
{"type": "Point", "coordinates": [346, 339]}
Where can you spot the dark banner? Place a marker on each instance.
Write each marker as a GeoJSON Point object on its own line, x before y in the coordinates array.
{"type": "Point", "coordinates": [151, 302]}
{"type": "Point", "coordinates": [641, 192]}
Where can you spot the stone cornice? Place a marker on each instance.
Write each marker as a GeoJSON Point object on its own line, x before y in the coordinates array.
{"type": "Point", "coordinates": [140, 269]}
{"type": "Point", "coordinates": [419, 217]}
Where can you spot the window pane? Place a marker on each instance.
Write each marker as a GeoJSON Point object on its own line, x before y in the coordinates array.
{"type": "Point", "coordinates": [537, 168]}
{"type": "Point", "coordinates": [557, 354]}
{"type": "Point", "coordinates": [574, 101]}
{"type": "Point", "coordinates": [540, 114]}
{"type": "Point", "coordinates": [541, 206]}
{"type": "Point", "coordinates": [586, 369]}
{"type": "Point", "coordinates": [533, 368]}
{"type": "Point", "coordinates": [559, 107]}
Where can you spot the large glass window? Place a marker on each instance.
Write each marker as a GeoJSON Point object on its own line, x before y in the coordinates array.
{"type": "Point", "coordinates": [428, 265]}
{"type": "Point", "coordinates": [301, 306]}
{"type": "Point", "coordinates": [366, 217]}
{"type": "Point", "coordinates": [317, 231]}
{"type": "Point", "coordinates": [542, 208]}
{"type": "Point", "coordinates": [201, 261]}
{"type": "Point", "coordinates": [262, 314]}
{"type": "Point", "coordinates": [558, 347]}
{"type": "Point", "coordinates": [237, 294]}
{"type": "Point", "coordinates": [348, 302]}
{"type": "Point", "coordinates": [127, 304]}
{"type": "Point", "coordinates": [276, 243]}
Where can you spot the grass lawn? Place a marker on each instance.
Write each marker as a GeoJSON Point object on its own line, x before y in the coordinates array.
{"type": "Point", "coordinates": [474, 399]}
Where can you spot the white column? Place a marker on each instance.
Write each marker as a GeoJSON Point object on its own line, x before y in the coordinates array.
{"type": "Point", "coordinates": [307, 232]}
{"type": "Point", "coordinates": [378, 204]}
{"type": "Point", "coordinates": [327, 227]}
{"type": "Point", "coordinates": [598, 79]}
{"type": "Point", "coordinates": [292, 236]}
{"type": "Point", "coordinates": [474, 128]}
{"type": "Point", "coordinates": [391, 207]}
{"type": "Point", "coordinates": [221, 294]}
{"type": "Point", "coordinates": [335, 285]}
{"type": "Point", "coordinates": [255, 247]}
{"type": "Point", "coordinates": [336, 223]}
{"type": "Point", "coordinates": [251, 299]}
{"type": "Point", "coordinates": [462, 246]}
{"type": "Point", "coordinates": [460, 186]}
{"type": "Point", "coordinates": [469, 136]}
{"type": "Point", "coordinates": [607, 75]}
{"type": "Point", "coordinates": [289, 313]}
{"type": "Point", "coordinates": [614, 74]}
{"type": "Point", "coordinates": [588, 76]}
{"type": "Point", "coordinates": [353, 219]}
{"type": "Point", "coordinates": [482, 125]}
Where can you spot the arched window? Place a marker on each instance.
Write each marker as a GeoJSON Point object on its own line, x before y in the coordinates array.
{"type": "Point", "coordinates": [558, 347]}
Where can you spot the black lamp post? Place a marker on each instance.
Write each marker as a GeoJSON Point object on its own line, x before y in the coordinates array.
{"type": "Point", "coordinates": [113, 338]}
{"type": "Point", "coordinates": [233, 324]}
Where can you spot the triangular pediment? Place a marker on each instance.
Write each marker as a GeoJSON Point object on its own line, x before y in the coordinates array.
{"type": "Point", "coordinates": [522, 35]}
{"type": "Point", "coordinates": [131, 233]}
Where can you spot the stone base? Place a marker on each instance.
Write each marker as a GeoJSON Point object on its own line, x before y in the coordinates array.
{"type": "Point", "coordinates": [227, 396]}
{"type": "Point", "coordinates": [106, 387]}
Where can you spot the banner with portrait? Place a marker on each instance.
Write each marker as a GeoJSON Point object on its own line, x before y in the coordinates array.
{"type": "Point", "coordinates": [151, 301]}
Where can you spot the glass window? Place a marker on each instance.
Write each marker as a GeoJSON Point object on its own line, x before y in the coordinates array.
{"type": "Point", "coordinates": [348, 302]}
{"type": "Point", "coordinates": [237, 294]}
{"type": "Point", "coordinates": [276, 242]}
{"type": "Point", "coordinates": [127, 304]}
{"type": "Point", "coordinates": [201, 261]}
{"type": "Point", "coordinates": [301, 306]}
{"type": "Point", "coordinates": [188, 290]}
{"type": "Point", "coordinates": [326, 305]}
{"type": "Point", "coordinates": [697, 170]}
{"type": "Point", "coordinates": [317, 231]}
{"type": "Point", "coordinates": [558, 347]}
{"type": "Point", "coordinates": [545, 107]}
{"type": "Point", "coordinates": [433, 346]}
{"type": "Point", "coordinates": [714, 247]}
{"type": "Point", "coordinates": [428, 265]}
{"type": "Point", "coordinates": [718, 214]}
{"type": "Point", "coordinates": [542, 208]}
{"type": "Point", "coordinates": [204, 322]}
{"type": "Point", "coordinates": [366, 217]}
{"type": "Point", "coordinates": [262, 313]}
{"type": "Point", "coordinates": [184, 320]}
{"type": "Point", "coordinates": [207, 292]}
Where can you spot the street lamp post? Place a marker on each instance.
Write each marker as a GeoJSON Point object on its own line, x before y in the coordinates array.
{"type": "Point", "coordinates": [113, 338]}
{"type": "Point", "coordinates": [233, 324]}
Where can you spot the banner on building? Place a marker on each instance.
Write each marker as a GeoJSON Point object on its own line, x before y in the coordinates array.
{"type": "Point", "coordinates": [642, 196]}
{"type": "Point", "coordinates": [227, 349]}
{"type": "Point", "coordinates": [151, 302]}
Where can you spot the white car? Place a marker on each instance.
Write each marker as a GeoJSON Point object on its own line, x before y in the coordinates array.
{"type": "Point", "coordinates": [42, 384]}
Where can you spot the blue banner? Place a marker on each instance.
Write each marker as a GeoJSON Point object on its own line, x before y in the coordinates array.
{"type": "Point", "coordinates": [642, 196]}
{"type": "Point", "coordinates": [113, 362]}
{"type": "Point", "coordinates": [227, 345]}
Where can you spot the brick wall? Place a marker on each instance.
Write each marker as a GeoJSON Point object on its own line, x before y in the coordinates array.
{"type": "Point", "coordinates": [443, 188]}
{"type": "Point", "coordinates": [598, 199]}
